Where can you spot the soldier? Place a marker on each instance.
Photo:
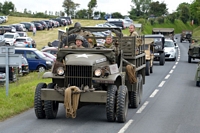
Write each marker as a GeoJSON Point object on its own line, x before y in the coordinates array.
{"type": "Point", "coordinates": [86, 34]}
{"type": "Point", "coordinates": [78, 41]}
{"type": "Point", "coordinates": [132, 30]}
{"type": "Point", "coordinates": [109, 42]}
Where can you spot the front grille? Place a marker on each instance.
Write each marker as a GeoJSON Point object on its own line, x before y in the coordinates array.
{"type": "Point", "coordinates": [79, 75]}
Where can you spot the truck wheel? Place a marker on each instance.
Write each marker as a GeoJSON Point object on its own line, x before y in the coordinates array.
{"type": "Point", "coordinates": [38, 103]}
{"type": "Point", "coordinates": [162, 59]}
{"type": "Point", "coordinates": [189, 59]}
{"type": "Point", "coordinates": [134, 97]}
{"type": "Point", "coordinates": [111, 103]}
{"type": "Point", "coordinates": [147, 69]}
{"type": "Point", "coordinates": [181, 40]}
{"type": "Point", "coordinates": [140, 87]}
{"type": "Point", "coordinates": [122, 104]}
{"type": "Point", "coordinates": [51, 107]}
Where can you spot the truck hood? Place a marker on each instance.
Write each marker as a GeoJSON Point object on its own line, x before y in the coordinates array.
{"type": "Point", "coordinates": [84, 59]}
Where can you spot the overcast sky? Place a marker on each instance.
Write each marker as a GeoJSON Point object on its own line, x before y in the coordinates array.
{"type": "Point", "coordinates": [108, 6]}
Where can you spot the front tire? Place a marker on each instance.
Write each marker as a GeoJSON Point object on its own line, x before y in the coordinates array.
{"type": "Point", "coordinates": [51, 107]}
{"type": "Point", "coordinates": [122, 104]}
{"type": "Point", "coordinates": [38, 103]}
{"type": "Point", "coordinates": [111, 103]}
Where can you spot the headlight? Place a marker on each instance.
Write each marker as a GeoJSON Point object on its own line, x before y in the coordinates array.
{"type": "Point", "coordinates": [98, 72]}
{"type": "Point", "coordinates": [48, 62]}
{"type": "Point", "coordinates": [60, 71]}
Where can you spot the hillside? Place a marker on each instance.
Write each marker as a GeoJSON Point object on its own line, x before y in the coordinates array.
{"type": "Point", "coordinates": [178, 26]}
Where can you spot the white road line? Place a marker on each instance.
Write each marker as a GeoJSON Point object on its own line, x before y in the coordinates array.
{"type": "Point", "coordinates": [174, 66]}
{"type": "Point", "coordinates": [171, 71]}
{"type": "Point", "coordinates": [161, 84]}
{"type": "Point", "coordinates": [167, 76]}
{"type": "Point", "coordinates": [176, 63]}
{"type": "Point", "coordinates": [123, 129]}
{"type": "Point", "coordinates": [154, 93]}
{"type": "Point", "coordinates": [142, 107]}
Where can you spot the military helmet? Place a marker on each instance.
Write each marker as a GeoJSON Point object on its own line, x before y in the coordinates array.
{"type": "Point", "coordinates": [79, 38]}
{"type": "Point", "coordinates": [77, 25]}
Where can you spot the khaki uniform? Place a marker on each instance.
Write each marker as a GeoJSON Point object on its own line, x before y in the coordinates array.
{"type": "Point", "coordinates": [133, 34]}
{"type": "Point", "coordinates": [74, 46]}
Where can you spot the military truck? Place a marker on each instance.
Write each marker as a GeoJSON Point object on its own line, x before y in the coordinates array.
{"type": "Point", "coordinates": [186, 35]}
{"type": "Point", "coordinates": [149, 52]}
{"type": "Point", "coordinates": [95, 76]}
{"type": "Point", "coordinates": [166, 32]}
{"type": "Point", "coordinates": [194, 51]}
{"type": "Point", "coordinates": [197, 75]}
{"type": "Point", "coordinates": [159, 41]}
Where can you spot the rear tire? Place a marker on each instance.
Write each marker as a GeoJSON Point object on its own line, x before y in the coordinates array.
{"type": "Point", "coordinates": [122, 104]}
{"type": "Point", "coordinates": [134, 97]}
{"type": "Point", "coordinates": [198, 83]}
{"type": "Point", "coordinates": [51, 107]}
{"type": "Point", "coordinates": [162, 59]}
{"type": "Point", "coordinates": [147, 69]}
{"type": "Point", "coordinates": [38, 103]}
{"type": "Point", "coordinates": [111, 103]}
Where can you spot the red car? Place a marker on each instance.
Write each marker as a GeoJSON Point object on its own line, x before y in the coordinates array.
{"type": "Point", "coordinates": [50, 56]}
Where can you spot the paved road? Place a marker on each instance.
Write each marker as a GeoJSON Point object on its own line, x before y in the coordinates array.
{"type": "Point", "coordinates": [169, 105]}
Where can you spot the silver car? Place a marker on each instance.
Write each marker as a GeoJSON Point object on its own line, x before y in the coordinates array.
{"type": "Point", "coordinates": [22, 41]}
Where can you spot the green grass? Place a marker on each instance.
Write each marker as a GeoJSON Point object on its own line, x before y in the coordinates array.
{"type": "Point", "coordinates": [20, 96]}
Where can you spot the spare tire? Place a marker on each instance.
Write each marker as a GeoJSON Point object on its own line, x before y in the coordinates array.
{"type": "Point", "coordinates": [71, 39]}
{"type": "Point", "coordinates": [188, 36]}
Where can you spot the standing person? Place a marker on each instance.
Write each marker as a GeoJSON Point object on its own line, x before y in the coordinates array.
{"type": "Point", "coordinates": [132, 30]}
{"type": "Point", "coordinates": [34, 31]}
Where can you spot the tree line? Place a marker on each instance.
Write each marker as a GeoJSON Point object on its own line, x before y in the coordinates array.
{"type": "Point", "coordinates": [141, 9]}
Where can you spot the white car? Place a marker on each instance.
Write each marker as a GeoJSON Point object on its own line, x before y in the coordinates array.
{"type": "Point", "coordinates": [10, 38]}
{"type": "Point", "coordinates": [170, 49]}
{"type": "Point", "coordinates": [22, 41]}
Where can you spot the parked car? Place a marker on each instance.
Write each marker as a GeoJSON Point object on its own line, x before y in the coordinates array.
{"type": "Point", "coordinates": [67, 18]}
{"type": "Point", "coordinates": [12, 74]}
{"type": "Point", "coordinates": [44, 24]}
{"type": "Point", "coordinates": [38, 26]}
{"type": "Point", "coordinates": [17, 27]}
{"type": "Point", "coordinates": [6, 28]}
{"type": "Point", "coordinates": [60, 21]}
{"type": "Point", "coordinates": [118, 23]}
{"type": "Point", "coordinates": [10, 38]}
{"type": "Point", "coordinates": [2, 40]}
{"type": "Point", "coordinates": [36, 59]}
{"type": "Point", "coordinates": [170, 49]}
{"type": "Point", "coordinates": [22, 34]}
{"type": "Point", "coordinates": [1, 20]}
{"type": "Point", "coordinates": [51, 50]}
{"type": "Point", "coordinates": [53, 57]}
{"type": "Point", "coordinates": [22, 41]}
{"type": "Point", "coordinates": [29, 26]}
{"type": "Point", "coordinates": [24, 69]}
